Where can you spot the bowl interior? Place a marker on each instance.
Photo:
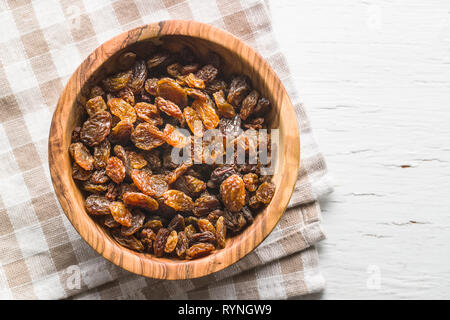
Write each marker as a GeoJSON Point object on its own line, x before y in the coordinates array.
{"type": "Point", "coordinates": [237, 246]}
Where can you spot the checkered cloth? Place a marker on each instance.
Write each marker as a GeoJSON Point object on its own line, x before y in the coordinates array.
{"type": "Point", "coordinates": [41, 254]}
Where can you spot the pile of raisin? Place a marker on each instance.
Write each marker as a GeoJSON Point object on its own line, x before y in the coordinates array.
{"type": "Point", "coordinates": [122, 158]}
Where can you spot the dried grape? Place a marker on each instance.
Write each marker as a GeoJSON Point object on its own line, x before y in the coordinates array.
{"type": "Point", "coordinates": [122, 109]}
{"type": "Point", "coordinates": [232, 192]}
{"type": "Point", "coordinates": [137, 221]}
{"type": "Point", "coordinates": [148, 184]}
{"type": "Point", "coordinates": [171, 242]}
{"type": "Point", "coordinates": [140, 200]}
{"type": "Point", "coordinates": [152, 109]}
{"type": "Point", "coordinates": [97, 205]}
{"type": "Point", "coordinates": [120, 213]}
{"type": "Point", "coordinates": [149, 113]}
{"type": "Point", "coordinates": [146, 136]}
{"type": "Point", "coordinates": [169, 89]}
{"type": "Point", "coordinates": [115, 169]}
{"type": "Point", "coordinates": [225, 109]}
{"type": "Point", "coordinates": [178, 200]}
{"type": "Point", "coordinates": [199, 250]}
{"type": "Point", "coordinates": [95, 105]}
{"type": "Point", "coordinates": [81, 155]}
{"type": "Point", "coordinates": [96, 128]}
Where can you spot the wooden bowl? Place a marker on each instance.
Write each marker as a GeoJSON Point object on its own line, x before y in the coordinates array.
{"type": "Point", "coordinates": [238, 58]}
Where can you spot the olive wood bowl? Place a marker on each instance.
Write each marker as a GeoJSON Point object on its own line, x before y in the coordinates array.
{"type": "Point", "coordinates": [238, 58]}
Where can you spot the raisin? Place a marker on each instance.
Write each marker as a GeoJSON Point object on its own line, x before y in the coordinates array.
{"type": "Point", "coordinates": [94, 188]}
{"type": "Point", "coordinates": [137, 222]}
{"type": "Point", "coordinates": [180, 170]}
{"type": "Point", "coordinates": [196, 186]}
{"type": "Point", "coordinates": [262, 107]}
{"type": "Point", "coordinates": [190, 230]}
{"type": "Point", "coordinates": [97, 205]}
{"type": "Point", "coordinates": [203, 237]}
{"type": "Point", "coordinates": [82, 156]}
{"type": "Point", "coordinates": [216, 85]}
{"type": "Point", "coordinates": [194, 121]}
{"type": "Point", "coordinates": [205, 204]}
{"type": "Point", "coordinates": [95, 92]}
{"type": "Point", "coordinates": [234, 221]}
{"type": "Point", "coordinates": [196, 94]}
{"type": "Point", "coordinates": [199, 250]}
{"type": "Point", "coordinates": [126, 60]}
{"type": "Point", "coordinates": [101, 154]}
{"type": "Point", "coordinates": [169, 108]}
{"type": "Point", "coordinates": [149, 113]}
{"type": "Point", "coordinates": [120, 213]}
{"type": "Point", "coordinates": [150, 86]}
{"type": "Point", "coordinates": [138, 76]}
{"type": "Point", "coordinates": [110, 222]}
{"type": "Point", "coordinates": [207, 113]}
{"type": "Point", "coordinates": [207, 73]}
{"type": "Point", "coordinates": [177, 223]}
{"type": "Point", "coordinates": [153, 224]}
{"type": "Point", "coordinates": [225, 109]}
{"type": "Point", "coordinates": [136, 160]}
{"type": "Point", "coordinates": [147, 237]}
{"type": "Point", "coordinates": [112, 192]}
{"type": "Point", "coordinates": [150, 185]}
{"type": "Point", "coordinates": [249, 104]}
{"type": "Point", "coordinates": [127, 241]}
{"type": "Point", "coordinates": [127, 95]}
{"type": "Point", "coordinates": [230, 128]}
{"type": "Point", "coordinates": [153, 160]}
{"type": "Point", "coordinates": [189, 68]}
{"type": "Point", "coordinates": [115, 169]}
{"type": "Point", "coordinates": [157, 60]}
{"type": "Point", "coordinates": [99, 177]}
{"type": "Point", "coordinates": [121, 133]}
{"type": "Point", "coordinates": [171, 242]}
{"type": "Point", "coordinates": [239, 89]}
{"type": "Point", "coordinates": [246, 212]}
{"type": "Point", "coordinates": [191, 80]}
{"type": "Point", "coordinates": [95, 105]}
{"type": "Point", "coordinates": [232, 192]}
{"type": "Point", "coordinates": [174, 70]}
{"type": "Point", "coordinates": [117, 81]}
{"type": "Point", "coordinates": [174, 138]}
{"type": "Point", "coordinates": [205, 225]}
{"type": "Point", "coordinates": [178, 200]}
{"type": "Point", "coordinates": [75, 135]}
{"type": "Point", "coordinates": [182, 244]}
{"type": "Point", "coordinates": [255, 124]}
{"type": "Point", "coordinates": [95, 130]}
{"type": "Point", "coordinates": [140, 200]}
{"type": "Point", "coordinates": [219, 175]}
{"type": "Point", "coordinates": [221, 232]}
{"type": "Point", "coordinates": [146, 136]}
{"type": "Point", "coordinates": [169, 89]}
{"type": "Point", "coordinates": [160, 242]}
{"type": "Point", "coordinates": [214, 215]}
{"type": "Point", "coordinates": [78, 173]}
{"type": "Point", "coordinates": [250, 181]}
{"type": "Point", "coordinates": [122, 109]}
{"type": "Point", "coordinates": [265, 192]}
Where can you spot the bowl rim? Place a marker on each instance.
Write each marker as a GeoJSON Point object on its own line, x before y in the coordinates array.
{"type": "Point", "coordinates": [149, 265]}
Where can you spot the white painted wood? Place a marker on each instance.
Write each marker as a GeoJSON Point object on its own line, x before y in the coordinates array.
{"type": "Point", "coordinates": [375, 78]}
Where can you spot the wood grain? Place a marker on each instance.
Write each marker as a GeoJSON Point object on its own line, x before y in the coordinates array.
{"type": "Point", "coordinates": [238, 58]}
{"type": "Point", "coordinates": [375, 78]}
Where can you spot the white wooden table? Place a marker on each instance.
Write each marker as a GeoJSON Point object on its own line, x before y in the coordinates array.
{"type": "Point", "coordinates": [375, 79]}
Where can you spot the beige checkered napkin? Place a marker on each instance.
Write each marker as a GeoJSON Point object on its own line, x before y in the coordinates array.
{"type": "Point", "coordinates": [41, 255]}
